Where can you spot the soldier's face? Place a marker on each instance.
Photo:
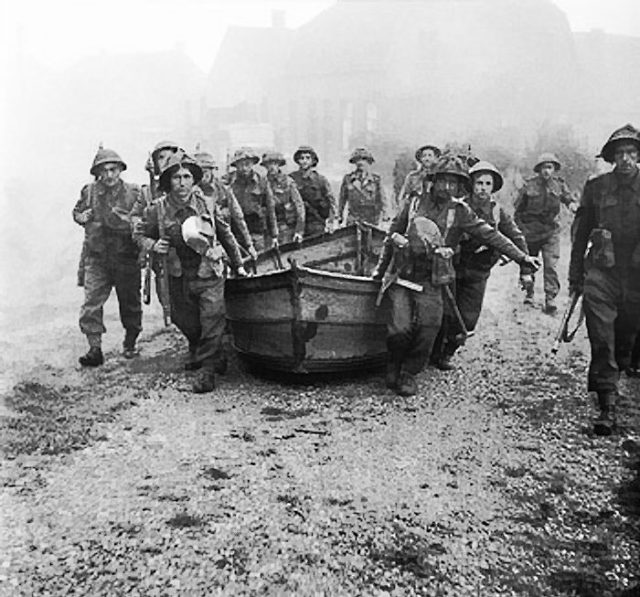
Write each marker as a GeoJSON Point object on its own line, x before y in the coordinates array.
{"type": "Point", "coordinates": [483, 185]}
{"type": "Point", "coordinates": [625, 158]}
{"type": "Point", "coordinates": [110, 174]}
{"type": "Point", "coordinates": [272, 168]}
{"type": "Point", "coordinates": [362, 165]}
{"type": "Point", "coordinates": [244, 167]}
{"type": "Point", "coordinates": [181, 183]}
{"type": "Point", "coordinates": [427, 157]}
{"type": "Point", "coordinates": [547, 170]}
{"type": "Point", "coordinates": [447, 186]}
{"type": "Point", "coordinates": [305, 161]}
{"type": "Point", "coordinates": [162, 157]}
{"type": "Point", "coordinates": [207, 175]}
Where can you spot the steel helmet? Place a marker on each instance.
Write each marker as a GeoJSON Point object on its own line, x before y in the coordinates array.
{"type": "Point", "coordinates": [273, 156]}
{"type": "Point", "coordinates": [106, 156]}
{"type": "Point", "coordinates": [627, 133]}
{"type": "Point", "coordinates": [452, 164]}
{"type": "Point", "coordinates": [483, 167]}
{"type": "Point", "coordinates": [205, 160]}
{"type": "Point", "coordinates": [547, 158]}
{"type": "Point", "coordinates": [175, 162]}
{"type": "Point", "coordinates": [361, 153]}
{"type": "Point", "coordinates": [198, 232]}
{"type": "Point", "coordinates": [163, 145]}
{"type": "Point", "coordinates": [306, 149]}
{"type": "Point", "coordinates": [436, 151]}
{"type": "Point", "coordinates": [424, 236]}
{"type": "Point", "coordinates": [244, 153]}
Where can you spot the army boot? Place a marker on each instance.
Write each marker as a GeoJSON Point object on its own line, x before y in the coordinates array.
{"type": "Point", "coordinates": [392, 375]}
{"type": "Point", "coordinates": [528, 296]}
{"type": "Point", "coordinates": [205, 382]}
{"type": "Point", "coordinates": [550, 307]}
{"type": "Point", "coordinates": [445, 364]}
{"type": "Point", "coordinates": [129, 349]}
{"type": "Point", "coordinates": [93, 358]}
{"type": "Point", "coordinates": [192, 364]}
{"type": "Point", "coordinates": [605, 422]}
{"type": "Point", "coordinates": [407, 385]}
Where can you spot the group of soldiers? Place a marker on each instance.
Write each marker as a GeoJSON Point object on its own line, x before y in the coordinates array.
{"type": "Point", "coordinates": [447, 233]}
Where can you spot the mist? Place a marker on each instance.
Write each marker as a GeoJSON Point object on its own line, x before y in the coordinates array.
{"type": "Point", "coordinates": [504, 77]}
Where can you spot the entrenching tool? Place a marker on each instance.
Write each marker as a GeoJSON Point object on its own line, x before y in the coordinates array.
{"type": "Point", "coordinates": [463, 336]}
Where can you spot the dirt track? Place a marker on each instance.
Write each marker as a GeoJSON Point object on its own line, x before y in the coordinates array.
{"type": "Point", "coordinates": [120, 481]}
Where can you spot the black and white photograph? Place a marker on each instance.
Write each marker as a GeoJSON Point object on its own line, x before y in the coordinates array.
{"type": "Point", "coordinates": [320, 298]}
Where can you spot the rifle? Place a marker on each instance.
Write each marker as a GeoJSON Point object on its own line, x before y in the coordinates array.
{"type": "Point", "coordinates": [162, 269]}
{"type": "Point", "coordinates": [563, 334]}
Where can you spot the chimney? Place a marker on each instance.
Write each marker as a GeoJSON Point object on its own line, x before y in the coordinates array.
{"type": "Point", "coordinates": [278, 19]}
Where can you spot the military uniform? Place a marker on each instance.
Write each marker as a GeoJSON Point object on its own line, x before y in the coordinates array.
{"type": "Point", "coordinates": [290, 212]}
{"type": "Point", "coordinates": [414, 183]}
{"type": "Point", "coordinates": [221, 200]}
{"type": "Point", "coordinates": [608, 222]}
{"type": "Point", "coordinates": [110, 256]}
{"type": "Point", "coordinates": [537, 211]}
{"type": "Point", "coordinates": [195, 285]}
{"type": "Point", "coordinates": [320, 204]}
{"type": "Point", "coordinates": [474, 262]}
{"type": "Point", "coordinates": [256, 201]}
{"type": "Point", "coordinates": [415, 318]}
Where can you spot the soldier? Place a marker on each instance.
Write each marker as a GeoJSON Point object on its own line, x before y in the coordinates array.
{"type": "Point", "coordinates": [361, 194]}
{"type": "Point", "coordinates": [475, 260]}
{"type": "Point", "coordinates": [255, 198]}
{"type": "Point", "coordinates": [155, 164]}
{"type": "Point", "coordinates": [288, 203]}
{"type": "Point", "coordinates": [608, 222]}
{"type": "Point", "coordinates": [537, 210]}
{"type": "Point", "coordinates": [425, 250]}
{"type": "Point", "coordinates": [195, 279]}
{"type": "Point", "coordinates": [414, 183]}
{"type": "Point", "coordinates": [319, 203]}
{"type": "Point", "coordinates": [111, 256]}
{"type": "Point", "coordinates": [218, 195]}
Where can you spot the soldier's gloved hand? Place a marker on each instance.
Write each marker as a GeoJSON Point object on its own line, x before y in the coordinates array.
{"type": "Point", "coordinates": [252, 253]}
{"type": "Point", "coordinates": [241, 272]}
{"type": "Point", "coordinates": [161, 246]}
{"type": "Point", "coordinates": [526, 281]}
{"type": "Point", "coordinates": [532, 262]}
{"type": "Point", "coordinates": [84, 216]}
{"type": "Point", "coordinates": [377, 274]}
{"type": "Point", "coordinates": [297, 237]}
{"type": "Point", "coordinates": [576, 287]}
{"type": "Point", "coordinates": [214, 253]}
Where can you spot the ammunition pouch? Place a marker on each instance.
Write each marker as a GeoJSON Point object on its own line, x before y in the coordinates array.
{"type": "Point", "coordinates": [601, 254]}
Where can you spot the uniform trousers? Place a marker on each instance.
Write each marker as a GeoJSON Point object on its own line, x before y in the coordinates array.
{"type": "Point", "coordinates": [550, 249]}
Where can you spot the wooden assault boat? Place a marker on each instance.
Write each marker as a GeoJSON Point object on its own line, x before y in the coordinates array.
{"type": "Point", "coordinates": [311, 307]}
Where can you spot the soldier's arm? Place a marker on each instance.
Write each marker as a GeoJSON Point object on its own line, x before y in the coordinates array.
{"type": "Point", "coordinates": [398, 224]}
{"type": "Point", "coordinates": [270, 204]}
{"type": "Point", "coordinates": [328, 193]}
{"type": "Point", "coordinates": [79, 211]}
{"type": "Point", "coordinates": [145, 226]}
{"type": "Point", "coordinates": [519, 205]}
{"type": "Point", "coordinates": [298, 205]}
{"type": "Point", "coordinates": [343, 196]}
{"type": "Point", "coordinates": [386, 209]}
{"type": "Point", "coordinates": [228, 242]}
{"type": "Point", "coordinates": [583, 224]}
{"type": "Point", "coordinates": [510, 229]}
{"type": "Point", "coordinates": [236, 217]}
{"type": "Point", "coordinates": [478, 228]}
{"type": "Point", "coordinates": [404, 189]}
{"type": "Point", "coordinates": [565, 194]}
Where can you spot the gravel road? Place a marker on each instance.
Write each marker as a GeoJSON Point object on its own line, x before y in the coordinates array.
{"type": "Point", "coordinates": [120, 481]}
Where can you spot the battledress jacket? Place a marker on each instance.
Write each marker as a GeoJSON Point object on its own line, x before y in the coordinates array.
{"type": "Point", "coordinates": [257, 202]}
{"type": "Point", "coordinates": [612, 204]}
{"type": "Point", "coordinates": [108, 233]}
{"type": "Point", "coordinates": [363, 196]}
{"type": "Point", "coordinates": [453, 218]}
{"type": "Point", "coordinates": [315, 190]}
{"type": "Point", "coordinates": [289, 207]}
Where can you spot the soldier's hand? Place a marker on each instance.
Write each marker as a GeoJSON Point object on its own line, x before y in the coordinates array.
{"type": "Point", "coordinates": [399, 241]}
{"type": "Point", "coordinates": [330, 227]}
{"type": "Point", "coordinates": [446, 252]}
{"type": "Point", "coordinates": [377, 274]}
{"type": "Point", "coordinates": [526, 281]}
{"type": "Point", "coordinates": [84, 216]}
{"type": "Point", "coordinates": [253, 253]}
{"type": "Point", "coordinates": [532, 262]}
{"type": "Point", "coordinates": [274, 243]}
{"type": "Point", "coordinates": [297, 237]}
{"type": "Point", "coordinates": [241, 272]}
{"type": "Point", "coordinates": [161, 247]}
{"type": "Point", "coordinates": [214, 253]}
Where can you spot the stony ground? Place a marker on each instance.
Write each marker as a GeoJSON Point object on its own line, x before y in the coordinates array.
{"type": "Point", "coordinates": [120, 481]}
